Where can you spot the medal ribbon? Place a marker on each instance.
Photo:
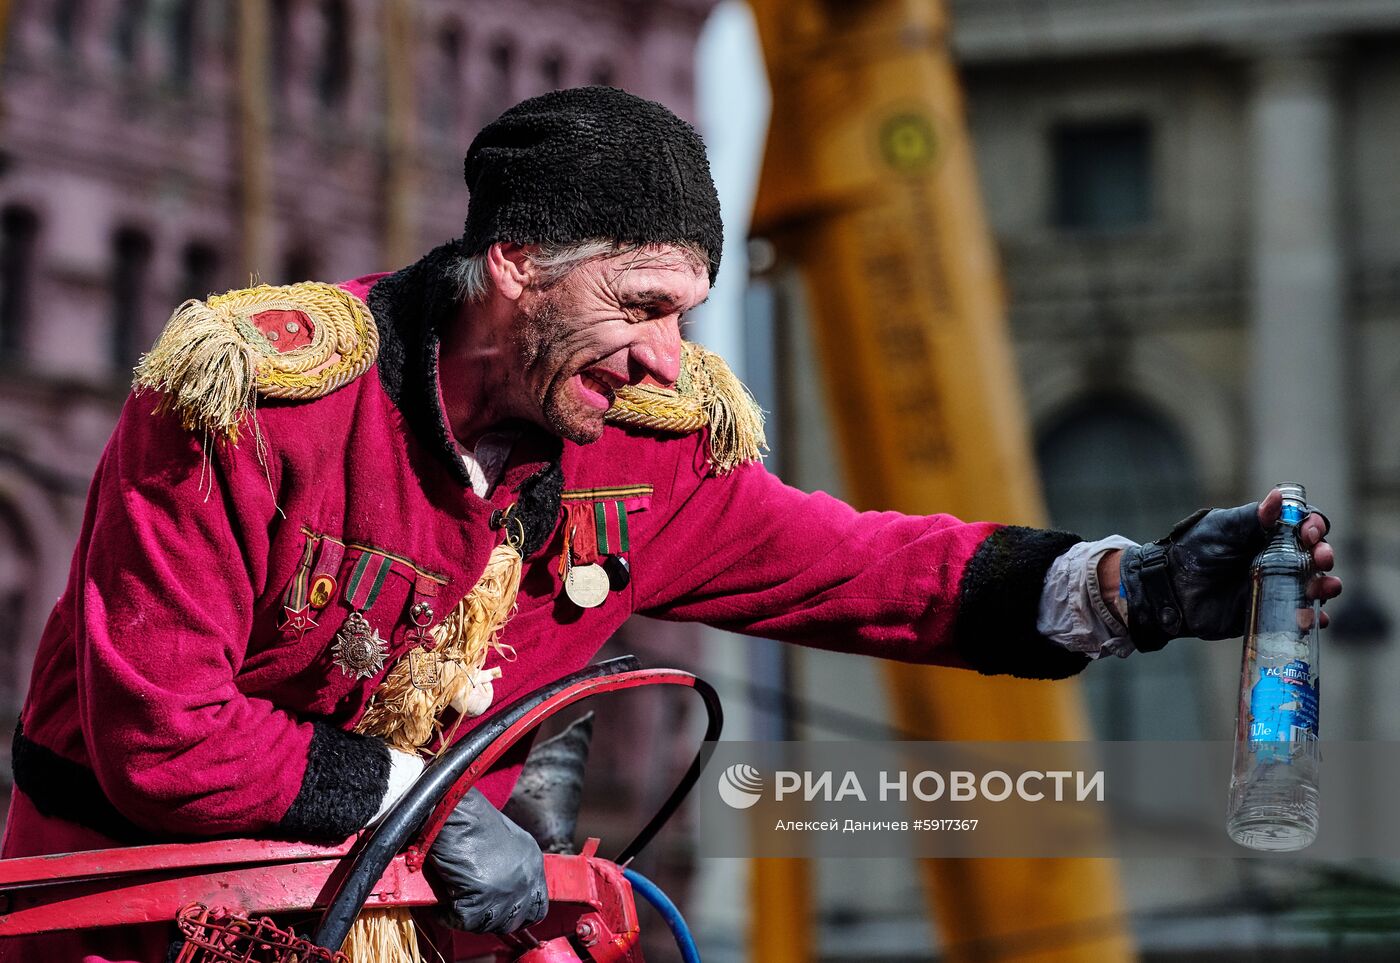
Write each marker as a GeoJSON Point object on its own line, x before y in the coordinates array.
{"type": "Point", "coordinates": [366, 581]}
{"type": "Point", "coordinates": [328, 562]}
{"type": "Point", "coordinates": [295, 596]}
{"type": "Point", "coordinates": [583, 533]}
{"type": "Point", "coordinates": [611, 527]}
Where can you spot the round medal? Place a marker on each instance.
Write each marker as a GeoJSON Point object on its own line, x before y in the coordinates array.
{"type": "Point", "coordinates": [322, 588]}
{"type": "Point", "coordinates": [358, 649]}
{"type": "Point", "coordinates": [586, 586]}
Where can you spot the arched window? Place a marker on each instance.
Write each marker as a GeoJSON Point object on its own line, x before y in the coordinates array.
{"type": "Point", "coordinates": [131, 263]}
{"type": "Point", "coordinates": [1112, 464]}
{"type": "Point", "coordinates": [200, 270]}
{"type": "Point", "coordinates": [19, 229]}
{"type": "Point", "coordinates": [183, 33]}
{"type": "Point", "coordinates": [67, 26]}
{"type": "Point", "coordinates": [127, 29]}
{"type": "Point", "coordinates": [552, 70]}
{"type": "Point", "coordinates": [333, 75]}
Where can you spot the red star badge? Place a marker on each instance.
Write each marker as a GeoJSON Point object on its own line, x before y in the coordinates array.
{"type": "Point", "coordinates": [297, 621]}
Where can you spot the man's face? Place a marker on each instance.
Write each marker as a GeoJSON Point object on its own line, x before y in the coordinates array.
{"type": "Point", "coordinates": [609, 322]}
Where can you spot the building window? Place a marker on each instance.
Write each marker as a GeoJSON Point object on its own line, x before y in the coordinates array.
{"type": "Point", "coordinates": [200, 271]}
{"type": "Point", "coordinates": [333, 77]}
{"type": "Point", "coordinates": [279, 46]}
{"type": "Point", "coordinates": [19, 229]}
{"type": "Point", "coordinates": [1103, 175]}
{"type": "Point", "coordinates": [184, 43]}
{"type": "Point", "coordinates": [498, 85]}
{"type": "Point", "coordinates": [1111, 464]}
{"type": "Point", "coordinates": [17, 577]}
{"type": "Point", "coordinates": [447, 86]}
{"type": "Point", "coordinates": [126, 33]}
{"type": "Point", "coordinates": [552, 70]}
{"type": "Point", "coordinates": [131, 262]}
{"type": "Point", "coordinates": [67, 25]}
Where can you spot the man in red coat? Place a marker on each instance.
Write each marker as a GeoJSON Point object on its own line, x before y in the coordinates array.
{"type": "Point", "coordinates": [322, 503]}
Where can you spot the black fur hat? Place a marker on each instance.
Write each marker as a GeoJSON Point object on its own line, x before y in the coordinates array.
{"type": "Point", "coordinates": [591, 162]}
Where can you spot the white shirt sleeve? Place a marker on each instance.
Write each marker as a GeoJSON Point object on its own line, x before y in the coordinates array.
{"type": "Point", "coordinates": [1072, 610]}
{"type": "Point", "coordinates": [404, 770]}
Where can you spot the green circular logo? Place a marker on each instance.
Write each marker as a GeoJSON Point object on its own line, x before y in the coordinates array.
{"type": "Point", "coordinates": [908, 142]}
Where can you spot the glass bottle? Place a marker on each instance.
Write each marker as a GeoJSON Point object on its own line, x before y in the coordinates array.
{"type": "Point", "coordinates": [1273, 791]}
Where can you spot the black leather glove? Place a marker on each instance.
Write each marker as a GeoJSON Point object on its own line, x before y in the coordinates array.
{"type": "Point", "coordinates": [488, 872]}
{"type": "Point", "coordinates": [1194, 582]}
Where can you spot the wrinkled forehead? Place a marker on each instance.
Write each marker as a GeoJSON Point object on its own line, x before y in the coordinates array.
{"type": "Point", "coordinates": [657, 273]}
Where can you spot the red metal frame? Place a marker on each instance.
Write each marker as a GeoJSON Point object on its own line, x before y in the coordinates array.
{"type": "Point", "coordinates": [591, 904]}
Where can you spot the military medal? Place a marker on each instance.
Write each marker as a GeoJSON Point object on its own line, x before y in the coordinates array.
{"type": "Point", "coordinates": [587, 585]}
{"type": "Point", "coordinates": [295, 622]}
{"type": "Point", "coordinates": [424, 669]}
{"type": "Point", "coordinates": [358, 649]}
{"type": "Point", "coordinates": [296, 612]}
{"type": "Point", "coordinates": [323, 583]}
{"type": "Point", "coordinates": [424, 664]}
{"type": "Point", "coordinates": [322, 589]}
{"type": "Point", "coordinates": [585, 582]}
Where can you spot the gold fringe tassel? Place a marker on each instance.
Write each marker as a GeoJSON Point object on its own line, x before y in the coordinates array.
{"type": "Point", "coordinates": [707, 393]}
{"type": "Point", "coordinates": [736, 421]}
{"type": "Point", "coordinates": [408, 718]}
{"type": "Point", "coordinates": [205, 366]}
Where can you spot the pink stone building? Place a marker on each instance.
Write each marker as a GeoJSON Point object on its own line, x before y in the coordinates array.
{"type": "Point", "coordinates": [120, 195]}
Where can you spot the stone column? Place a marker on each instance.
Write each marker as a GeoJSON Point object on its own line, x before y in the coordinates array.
{"type": "Point", "coordinates": [1299, 414]}
{"type": "Point", "coordinates": [1301, 400]}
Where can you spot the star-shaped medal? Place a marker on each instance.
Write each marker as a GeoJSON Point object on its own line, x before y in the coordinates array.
{"type": "Point", "coordinates": [358, 649]}
{"type": "Point", "coordinates": [297, 621]}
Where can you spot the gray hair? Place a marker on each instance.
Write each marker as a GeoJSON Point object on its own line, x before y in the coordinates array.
{"type": "Point", "coordinates": [554, 261]}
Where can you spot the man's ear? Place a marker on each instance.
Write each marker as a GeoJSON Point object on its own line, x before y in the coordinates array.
{"type": "Point", "coordinates": [510, 269]}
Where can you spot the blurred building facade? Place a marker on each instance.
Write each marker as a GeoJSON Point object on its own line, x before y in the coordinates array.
{"type": "Point", "coordinates": [1199, 219]}
{"type": "Point", "coordinates": [120, 196]}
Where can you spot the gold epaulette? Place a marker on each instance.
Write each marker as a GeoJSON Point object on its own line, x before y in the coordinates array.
{"type": "Point", "coordinates": [706, 393]}
{"type": "Point", "coordinates": [214, 358]}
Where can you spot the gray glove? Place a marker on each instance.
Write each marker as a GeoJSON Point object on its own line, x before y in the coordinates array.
{"type": "Point", "coordinates": [1194, 582]}
{"type": "Point", "coordinates": [488, 872]}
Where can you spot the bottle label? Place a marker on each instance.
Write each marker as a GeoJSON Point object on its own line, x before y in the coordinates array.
{"type": "Point", "coordinates": [1283, 709]}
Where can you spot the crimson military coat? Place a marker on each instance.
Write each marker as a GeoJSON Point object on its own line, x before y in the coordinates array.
{"type": "Point", "coordinates": [168, 700]}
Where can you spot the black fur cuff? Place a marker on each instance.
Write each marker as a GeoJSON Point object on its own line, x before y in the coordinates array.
{"type": "Point", "coordinates": [998, 603]}
{"type": "Point", "coordinates": [346, 777]}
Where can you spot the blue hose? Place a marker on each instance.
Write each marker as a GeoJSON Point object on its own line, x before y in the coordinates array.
{"type": "Point", "coordinates": [653, 895]}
